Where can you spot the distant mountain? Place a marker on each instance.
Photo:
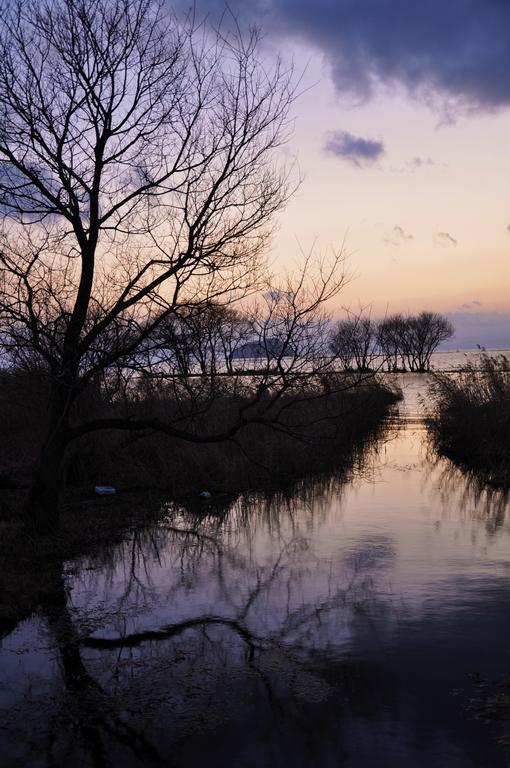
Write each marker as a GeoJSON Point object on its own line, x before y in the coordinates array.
{"type": "Point", "coordinates": [256, 350]}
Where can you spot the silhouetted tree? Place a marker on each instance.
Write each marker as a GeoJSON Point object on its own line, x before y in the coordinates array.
{"type": "Point", "coordinates": [389, 340]}
{"type": "Point", "coordinates": [412, 339]}
{"type": "Point", "coordinates": [204, 339]}
{"type": "Point", "coordinates": [137, 179]}
{"type": "Point", "coordinates": [426, 331]}
{"type": "Point", "coordinates": [353, 342]}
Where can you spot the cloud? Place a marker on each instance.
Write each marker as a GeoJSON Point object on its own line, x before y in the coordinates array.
{"type": "Point", "coordinates": [398, 236]}
{"type": "Point", "coordinates": [400, 233]}
{"type": "Point", "coordinates": [421, 162]}
{"type": "Point", "coordinates": [471, 305]}
{"type": "Point", "coordinates": [445, 239]}
{"type": "Point", "coordinates": [457, 49]}
{"type": "Point", "coordinates": [274, 296]}
{"type": "Point", "coordinates": [355, 149]}
{"type": "Point", "coordinates": [18, 196]}
{"type": "Point", "coordinates": [415, 164]}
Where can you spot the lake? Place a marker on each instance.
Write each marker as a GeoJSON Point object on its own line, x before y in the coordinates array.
{"type": "Point", "coordinates": [351, 622]}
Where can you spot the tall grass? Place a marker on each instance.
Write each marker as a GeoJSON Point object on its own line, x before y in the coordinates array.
{"type": "Point", "coordinates": [314, 435]}
{"type": "Point", "coordinates": [316, 431]}
{"type": "Point", "coordinates": [470, 420]}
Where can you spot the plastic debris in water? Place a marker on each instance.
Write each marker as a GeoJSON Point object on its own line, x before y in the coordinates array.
{"type": "Point", "coordinates": [105, 490]}
{"type": "Point", "coordinates": [66, 579]}
{"type": "Point", "coordinates": [205, 495]}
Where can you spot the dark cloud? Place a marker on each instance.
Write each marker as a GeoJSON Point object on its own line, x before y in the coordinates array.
{"type": "Point", "coordinates": [457, 48]}
{"type": "Point", "coordinates": [354, 149]}
{"type": "Point", "coordinates": [445, 239]}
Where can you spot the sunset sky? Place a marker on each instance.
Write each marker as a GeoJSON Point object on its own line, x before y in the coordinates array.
{"type": "Point", "coordinates": [402, 140]}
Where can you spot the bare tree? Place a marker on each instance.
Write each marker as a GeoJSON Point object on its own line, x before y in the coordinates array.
{"type": "Point", "coordinates": [205, 338]}
{"type": "Point", "coordinates": [137, 181]}
{"type": "Point", "coordinates": [354, 341]}
{"type": "Point", "coordinates": [426, 331]}
{"type": "Point", "coordinates": [389, 340]}
{"type": "Point", "coordinates": [412, 339]}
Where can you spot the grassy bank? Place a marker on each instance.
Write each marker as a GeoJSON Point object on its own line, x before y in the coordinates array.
{"type": "Point", "coordinates": [470, 422]}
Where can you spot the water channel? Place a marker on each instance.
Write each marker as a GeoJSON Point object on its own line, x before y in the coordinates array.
{"type": "Point", "coordinates": [359, 623]}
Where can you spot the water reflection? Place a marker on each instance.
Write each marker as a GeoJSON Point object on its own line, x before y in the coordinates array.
{"type": "Point", "coordinates": [326, 627]}
{"type": "Point", "coordinates": [473, 498]}
{"type": "Point", "coordinates": [89, 721]}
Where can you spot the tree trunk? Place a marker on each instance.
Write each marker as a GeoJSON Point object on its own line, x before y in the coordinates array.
{"type": "Point", "coordinates": [43, 506]}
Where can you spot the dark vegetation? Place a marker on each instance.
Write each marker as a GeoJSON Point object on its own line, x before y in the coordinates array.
{"type": "Point", "coordinates": [309, 429]}
{"type": "Point", "coordinates": [398, 342]}
{"type": "Point", "coordinates": [323, 433]}
{"type": "Point", "coordinates": [470, 420]}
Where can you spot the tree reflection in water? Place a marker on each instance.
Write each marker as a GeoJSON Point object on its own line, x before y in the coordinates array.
{"type": "Point", "coordinates": [467, 492]}
{"type": "Point", "coordinates": [90, 720]}
{"type": "Point", "coordinates": [291, 629]}
{"type": "Point", "coordinates": [251, 631]}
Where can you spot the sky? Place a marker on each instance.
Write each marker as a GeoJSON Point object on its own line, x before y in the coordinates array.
{"type": "Point", "coordinates": [402, 141]}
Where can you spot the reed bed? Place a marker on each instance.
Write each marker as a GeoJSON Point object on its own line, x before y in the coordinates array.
{"type": "Point", "coordinates": [470, 419]}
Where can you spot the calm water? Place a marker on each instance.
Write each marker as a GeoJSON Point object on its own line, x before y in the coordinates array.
{"type": "Point", "coordinates": [347, 625]}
